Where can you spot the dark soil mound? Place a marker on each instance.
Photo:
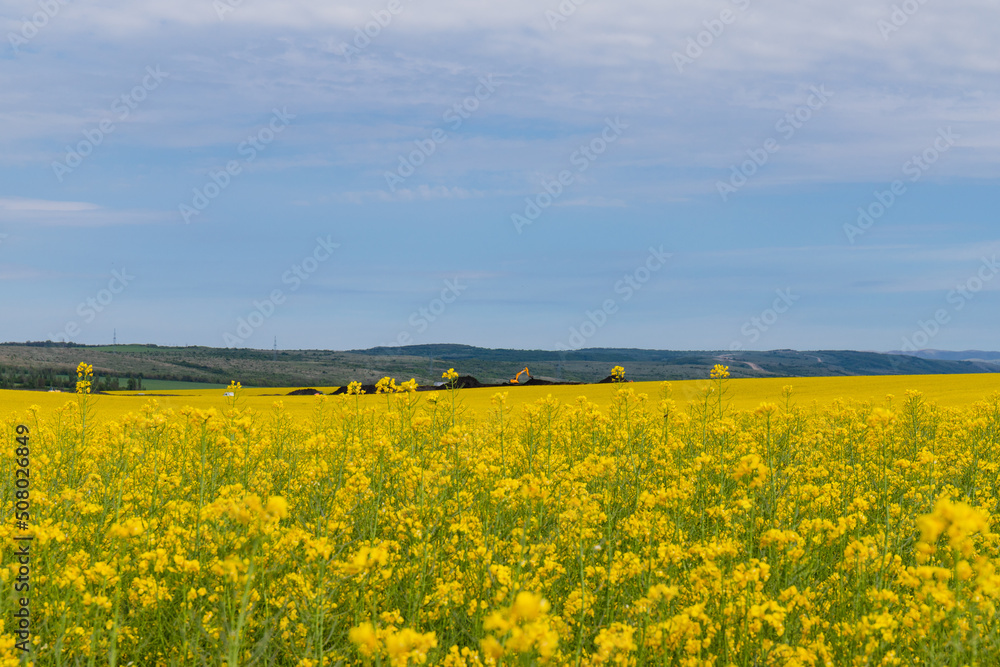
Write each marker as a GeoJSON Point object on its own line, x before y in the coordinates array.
{"type": "Point", "coordinates": [467, 382]}
{"type": "Point", "coordinates": [304, 392]}
{"type": "Point", "coordinates": [367, 388]}
{"type": "Point", "coordinates": [532, 381]}
{"type": "Point", "coordinates": [461, 382]}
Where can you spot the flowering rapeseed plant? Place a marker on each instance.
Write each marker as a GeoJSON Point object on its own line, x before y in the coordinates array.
{"type": "Point", "coordinates": [84, 378]}
{"type": "Point", "coordinates": [719, 372]}
{"type": "Point", "coordinates": [386, 385]}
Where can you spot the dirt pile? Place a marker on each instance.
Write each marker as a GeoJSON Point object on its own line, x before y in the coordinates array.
{"type": "Point", "coordinates": [366, 388]}
{"type": "Point", "coordinates": [461, 382]}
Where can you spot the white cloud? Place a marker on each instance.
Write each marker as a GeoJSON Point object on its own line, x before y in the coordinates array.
{"type": "Point", "coordinates": [55, 213]}
{"type": "Point", "coordinates": [605, 59]}
{"type": "Point", "coordinates": [17, 204]}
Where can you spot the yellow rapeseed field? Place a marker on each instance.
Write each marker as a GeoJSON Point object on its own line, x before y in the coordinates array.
{"type": "Point", "coordinates": [839, 521]}
{"type": "Point", "coordinates": [945, 390]}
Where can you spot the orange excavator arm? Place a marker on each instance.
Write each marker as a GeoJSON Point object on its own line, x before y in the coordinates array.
{"type": "Point", "coordinates": [517, 378]}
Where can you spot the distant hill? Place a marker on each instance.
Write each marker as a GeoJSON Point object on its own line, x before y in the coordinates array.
{"type": "Point", "coordinates": [948, 355]}
{"type": "Point", "coordinates": [38, 365]}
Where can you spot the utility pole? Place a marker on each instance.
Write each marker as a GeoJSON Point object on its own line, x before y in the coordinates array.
{"type": "Point", "coordinates": [275, 348]}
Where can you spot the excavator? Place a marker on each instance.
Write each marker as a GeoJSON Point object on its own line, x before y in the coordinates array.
{"type": "Point", "coordinates": [517, 378]}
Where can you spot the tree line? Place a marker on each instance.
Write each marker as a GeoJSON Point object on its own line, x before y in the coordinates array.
{"type": "Point", "coordinates": [63, 379]}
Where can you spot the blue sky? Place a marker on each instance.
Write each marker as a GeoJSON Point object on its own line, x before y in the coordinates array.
{"type": "Point", "coordinates": [682, 175]}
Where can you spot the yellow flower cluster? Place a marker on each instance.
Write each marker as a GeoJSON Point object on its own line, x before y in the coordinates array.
{"type": "Point", "coordinates": [84, 378]}
{"type": "Point", "coordinates": [719, 372]}
{"type": "Point", "coordinates": [387, 385]}
{"type": "Point", "coordinates": [525, 629]}
{"type": "Point", "coordinates": [402, 647]}
{"type": "Point", "coordinates": [406, 532]}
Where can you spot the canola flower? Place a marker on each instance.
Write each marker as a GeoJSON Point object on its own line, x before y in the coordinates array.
{"type": "Point", "coordinates": [558, 532]}
{"type": "Point", "coordinates": [85, 377]}
{"type": "Point", "coordinates": [719, 372]}
{"type": "Point", "coordinates": [719, 375]}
